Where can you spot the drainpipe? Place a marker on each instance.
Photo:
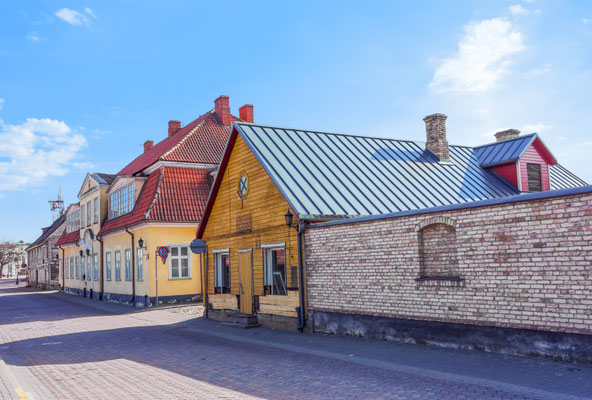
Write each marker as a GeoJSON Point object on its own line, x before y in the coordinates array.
{"type": "Point", "coordinates": [133, 268]}
{"type": "Point", "coordinates": [205, 279]}
{"type": "Point", "coordinates": [302, 314]}
{"type": "Point", "coordinates": [63, 269]}
{"type": "Point", "coordinates": [102, 289]}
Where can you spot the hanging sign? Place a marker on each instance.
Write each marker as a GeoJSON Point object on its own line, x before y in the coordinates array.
{"type": "Point", "coordinates": [163, 252]}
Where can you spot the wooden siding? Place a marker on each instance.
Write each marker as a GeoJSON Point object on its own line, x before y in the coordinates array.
{"type": "Point", "coordinates": [508, 171]}
{"type": "Point", "coordinates": [237, 224]}
{"type": "Point", "coordinates": [533, 156]}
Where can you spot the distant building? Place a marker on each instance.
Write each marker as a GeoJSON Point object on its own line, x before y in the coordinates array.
{"type": "Point", "coordinates": [18, 263]}
{"type": "Point", "coordinates": [42, 254]}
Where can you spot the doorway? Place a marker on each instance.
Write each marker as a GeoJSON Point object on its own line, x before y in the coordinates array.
{"type": "Point", "coordinates": [245, 271]}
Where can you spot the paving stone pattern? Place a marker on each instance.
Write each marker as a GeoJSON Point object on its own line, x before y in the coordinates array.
{"type": "Point", "coordinates": [66, 347]}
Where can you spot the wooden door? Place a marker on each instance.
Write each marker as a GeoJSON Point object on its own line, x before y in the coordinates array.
{"type": "Point", "coordinates": [245, 271]}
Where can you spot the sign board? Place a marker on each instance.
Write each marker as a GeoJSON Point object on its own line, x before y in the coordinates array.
{"type": "Point", "coordinates": [163, 252]}
{"type": "Point", "coordinates": [198, 246]}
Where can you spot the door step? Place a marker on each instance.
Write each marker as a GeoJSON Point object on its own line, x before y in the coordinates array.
{"type": "Point", "coordinates": [243, 321]}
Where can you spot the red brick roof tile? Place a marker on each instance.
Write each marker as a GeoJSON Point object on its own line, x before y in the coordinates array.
{"type": "Point", "coordinates": [201, 141]}
{"type": "Point", "coordinates": [68, 238]}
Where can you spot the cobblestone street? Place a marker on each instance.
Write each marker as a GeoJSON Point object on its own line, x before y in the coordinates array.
{"type": "Point", "coordinates": [55, 346]}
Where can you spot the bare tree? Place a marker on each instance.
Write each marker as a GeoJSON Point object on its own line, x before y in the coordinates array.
{"type": "Point", "coordinates": [8, 252]}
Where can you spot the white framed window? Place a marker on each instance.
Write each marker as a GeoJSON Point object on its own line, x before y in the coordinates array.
{"type": "Point", "coordinates": [121, 201]}
{"type": "Point", "coordinates": [88, 214]}
{"type": "Point", "coordinates": [128, 264]}
{"type": "Point", "coordinates": [221, 271]}
{"type": "Point", "coordinates": [66, 267]}
{"type": "Point", "coordinates": [82, 216]}
{"type": "Point", "coordinates": [117, 265]}
{"type": "Point", "coordinates": [96, 209]}
{"type": "Point", "coordinates": [274, 270]}
{"type": "Point", "coordinates": [72, 267]}
{"type": "Point", "coordinates": [179, 262]}
{"type": "Point", "coordinates": [139, 264]}
{"type": "Point", "coordinates": [77, 268]}
{"type": "Point", "coordinates": [96, 266]}
{"type": "Point", "coordinates": [88, 272]}
{"type": "Point", "coordinates": [82, 274]}
{"type": "Point", "coordinates": [108, 265]}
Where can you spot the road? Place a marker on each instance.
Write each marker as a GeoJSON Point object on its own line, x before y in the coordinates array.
{"type": "Point", "coordinates": [56, 346]}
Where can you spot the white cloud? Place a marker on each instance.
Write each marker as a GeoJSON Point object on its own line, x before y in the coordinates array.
{"type": "Point", "coordinates": [72, 17]}
{"type": "Point", "coordinates": [90, 12]}
{"type": "Point", "coordinates": [482, 57]}
{"type": "Point", "coordinates": [34, 37]}
{"type": "Point", "coordinates": [538, 128]}
{"type": "Point", "coordinates": [586, 20]}
{"type": "Point", "coordinates": [1, 103]}
{"type": "Point", "coordinates": [545, 69]}
{"type": "Point", "coordinates": [518, 9]}
{"type": "Point", "coordinates": [35, 150]}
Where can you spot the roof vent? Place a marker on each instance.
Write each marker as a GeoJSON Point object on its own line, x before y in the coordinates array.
{"type": "Point", "coordinates": [246, 113]}
{"type": "Point", "coordinates": [507, 134]}
{"type": "Point", "coordinates": [174, 126]}
{"type": "Point", "coordinates": [222, 109]}
{"type": "Point", "coordinates": [436, 136]}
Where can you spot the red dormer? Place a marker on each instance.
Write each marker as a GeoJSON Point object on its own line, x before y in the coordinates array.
{"type": "Point", "coordinates": [522, 160]}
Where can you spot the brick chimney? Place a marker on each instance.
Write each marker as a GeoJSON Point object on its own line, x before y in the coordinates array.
{"type": "Point", "coordinates": [222, 109]}
{"type": "Point", "coordinates": [246, 113]}
{"type": "Point", "coordinates": [507, 134]}
{"type": "Point", "coordinates": [148, 145]}
{"type": "Point", "coordinates": [436, 136]}
{"type": "Point", "coordinates": [174, 126]}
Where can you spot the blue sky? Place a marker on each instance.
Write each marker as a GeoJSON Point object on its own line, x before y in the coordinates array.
{"type": "Point", "coordinates": [84, 83]}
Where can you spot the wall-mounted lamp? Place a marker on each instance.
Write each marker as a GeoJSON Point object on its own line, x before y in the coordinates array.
{"type": "Point", "coordinates": [289, 219]}
{"type": "Point", "coordinates": [141, 243]}
{"type": "Point", "coordinates": [81, 253]}
{"type": "Point", "coordinates": [88, 252]}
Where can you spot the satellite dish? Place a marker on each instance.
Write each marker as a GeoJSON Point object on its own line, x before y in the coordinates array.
{"type": "Point", "coordinates": [198, 246]}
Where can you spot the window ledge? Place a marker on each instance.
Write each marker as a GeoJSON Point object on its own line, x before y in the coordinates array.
{"type": "Point", "coordinates": [439, 278]}
{"type": "Point", "coordinates": [176, 279]}
{"type": "Point", "coordinates": [441, 282]}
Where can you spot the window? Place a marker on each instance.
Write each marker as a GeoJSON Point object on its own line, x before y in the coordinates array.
{"type": "Point", "coordinates": [82, 216]}
{"type": "Point", "coordinates": [108, 265]}
{"type": "Point", "coordinates": [274, 271]}
{"type": "Point", "coordinates": [73, 221]}
{"type": "Point", "coordinates": [72, 267]}
{"type": "Point", "coordinates": [82, 274]}
{"type": "Point", "coordinates": [96, 266]}
{"type": "Point", "coordinates": [96, 209]}
{"type": "Point", "coordinates": [66, 267]}
{"type": "Point", "coordinates": [121, 201]}
{"type": "Point", "coordinates": [139, 263]}
{"type": "Point", "coordinates": [179, 262]}
{"type": "Point", "coordinates": [88, 276]}
{"type": "Point", "coordinates": [88, 214]}
{"type": "Point", "coordinates": [128, 264]}
{"type": "Point", "coordinates": [221, 272]}
{"type": "Point", "coordinates": [77, 268]}
{"type": "Point", "coordinates": [533, 171]}
{"type": "Point", "coordinates": [118, 265]}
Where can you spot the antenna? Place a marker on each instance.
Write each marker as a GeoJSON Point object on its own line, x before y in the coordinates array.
{"type": "Point", "coordinates": [57, 206]}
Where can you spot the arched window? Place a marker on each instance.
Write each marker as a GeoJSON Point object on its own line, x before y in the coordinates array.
{"type": "Point", "coordinates": [438, 248]}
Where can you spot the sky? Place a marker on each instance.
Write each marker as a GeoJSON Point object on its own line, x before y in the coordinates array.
{"type": "Point", "coordinates": [84, 83]}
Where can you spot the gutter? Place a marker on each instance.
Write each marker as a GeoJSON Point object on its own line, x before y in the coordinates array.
{"type": "Point", "coordinates": [133, 271]}
{"type": "Point", "coordinates": [63, 269]}
{"type": "Point", "coordinates": [302, 311]}
{"type": "Point", "coordinates": [101, 272]}
{"type": "Point", "coordinates": [205, 284]}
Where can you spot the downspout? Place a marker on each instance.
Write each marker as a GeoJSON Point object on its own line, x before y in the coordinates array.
{"type": "Point", "coordinates": [302, 314]}
{"type": "Point", "coordinates": [133, 268]}
{"type": "Point", "coordinates": [63, 269]}
{"type": "Point", "coordinates": [101, 270]}
{"type": "Point", "coordinates": [205, 279]}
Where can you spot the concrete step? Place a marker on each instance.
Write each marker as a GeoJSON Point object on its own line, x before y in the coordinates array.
{"type": "Point", "coordinates": [242, 321]}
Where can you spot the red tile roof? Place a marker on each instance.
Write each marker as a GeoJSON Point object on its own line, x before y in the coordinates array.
{"type": "Point", "coordinates": [201, 141]}
{"type": "Point", "coordinates": [170, 194]}
{"type": "Point", "coordinates": [68, 238]}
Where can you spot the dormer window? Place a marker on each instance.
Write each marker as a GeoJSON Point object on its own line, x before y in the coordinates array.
{"type": "Point", "coordinates": [121, 201]}
{"type": "Point", "coordinates": [534, 177]}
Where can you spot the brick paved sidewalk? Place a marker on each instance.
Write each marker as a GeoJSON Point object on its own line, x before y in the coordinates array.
{"type": "Point", "coordinates": [67, 347]}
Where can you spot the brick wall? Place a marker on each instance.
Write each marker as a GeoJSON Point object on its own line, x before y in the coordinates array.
{"type": "Point", "coordinates": [523, 265]}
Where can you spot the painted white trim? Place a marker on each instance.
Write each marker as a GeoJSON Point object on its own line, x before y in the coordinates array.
{"type": "Point", "coordinates": [179, 257]}
{"type": "Point", "coordinates": [518, 176]}
{"type": "Point", "coordinates": [246, 251]}
{"type": "Point", "coordinates": [221, 251]}
{"type": "Point", "coordinates": [143, 225]}
{"type": "Point", "coordinates": [272, 245]}
{"type": "Point", "coordinates": [179, 164]}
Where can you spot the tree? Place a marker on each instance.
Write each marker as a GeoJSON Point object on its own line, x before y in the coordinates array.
{"type": "Point", "coordinates": [8, 252]}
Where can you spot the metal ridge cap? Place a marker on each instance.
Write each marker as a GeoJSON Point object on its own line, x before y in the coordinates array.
{"type": "Point", "coordinates": [459, 206]}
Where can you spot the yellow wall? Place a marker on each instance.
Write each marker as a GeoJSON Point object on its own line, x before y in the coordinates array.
{"type": "Point", "coordinates": [71, 250]}
{"type": "Point", "coordinates": [153, 237]}
{"type": "Point", "coordinates": [265, 206]}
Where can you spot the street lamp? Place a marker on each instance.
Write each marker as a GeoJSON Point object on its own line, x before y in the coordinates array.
{"type": "Point", "coordinates": [289, 219]}
{"type": "Point", "coordinates": [81, 253]}
{"type": "Point", "coordinates": [141, 243]}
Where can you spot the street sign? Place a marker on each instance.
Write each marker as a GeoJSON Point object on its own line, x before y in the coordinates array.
{"type": "Point", "coordinates": [163, 252]}
{"type": "Point", "coordinates": [198, 246]}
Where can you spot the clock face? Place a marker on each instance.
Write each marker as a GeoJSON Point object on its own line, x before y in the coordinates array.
{"type": "Point", "coordinates": [243, 187]}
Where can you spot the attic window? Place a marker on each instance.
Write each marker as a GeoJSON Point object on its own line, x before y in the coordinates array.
{"type": "Point", "coordinates": [243, 187]}
{"type": "Point", "coordinates": [533, 171]}
{"type": "Point", "coordinates": [121, 201]}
